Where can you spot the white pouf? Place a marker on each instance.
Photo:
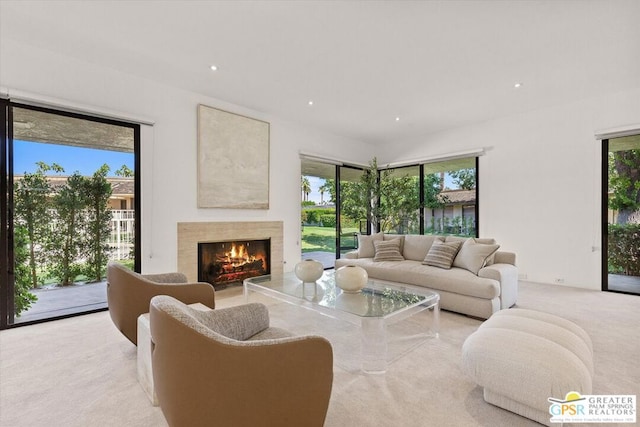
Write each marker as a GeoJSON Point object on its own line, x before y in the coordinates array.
{"type": "Point", "coordinates": [522, 357]}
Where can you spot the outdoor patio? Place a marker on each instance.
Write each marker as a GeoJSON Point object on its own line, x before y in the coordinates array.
{"type": "Point", "coordinates": [61, 301]}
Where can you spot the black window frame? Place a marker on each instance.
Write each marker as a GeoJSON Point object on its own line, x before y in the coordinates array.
{"type": "Point", "coordinates": [7, 258]}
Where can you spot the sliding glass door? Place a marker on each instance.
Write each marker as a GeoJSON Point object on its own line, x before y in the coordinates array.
{"type": "Point", "coordinates": [328, 221]}
{"type": "Point", "coordinates": [621, 214]}
{"type": "Point", "coordinates": [318, 220]}
{"type": "Point", "coordinates": [70, 205]}
{"type": "Point", "coordinates": [352, 221]}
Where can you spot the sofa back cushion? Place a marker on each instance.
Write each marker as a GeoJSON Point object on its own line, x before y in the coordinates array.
{"type": "Point", "coordinates": [365, 244]}
{"type": "Point", "coordinates": [416, 246]}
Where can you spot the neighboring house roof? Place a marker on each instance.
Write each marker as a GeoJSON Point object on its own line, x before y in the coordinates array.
{"type": "Point", "coordinates": [122, 186]}
{"type": "Point", "coordinates": [458, 197]}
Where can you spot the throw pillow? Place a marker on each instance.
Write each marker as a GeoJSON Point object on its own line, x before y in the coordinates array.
{"type": "Point", "coordinates": [393, 237]}
{"type": "Point", "coordinates": [441, 253]}
{"type": "Point", "coordinates": [388, 251]}
{"type": "Point", "coordinates": [474, 255]}
{"type": "Point", "coordinates": [365, 245]}
{"type": "Point", "coordinates": [487, 241]}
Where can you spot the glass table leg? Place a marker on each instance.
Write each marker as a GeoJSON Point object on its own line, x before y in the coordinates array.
{"type": "Point", "coordinates": [374, 345]}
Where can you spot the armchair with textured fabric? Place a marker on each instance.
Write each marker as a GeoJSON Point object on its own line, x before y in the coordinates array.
{"type": "Point", "coordinates": [129, 294]}
{"type": "Point", "coordinates": [228, 367]}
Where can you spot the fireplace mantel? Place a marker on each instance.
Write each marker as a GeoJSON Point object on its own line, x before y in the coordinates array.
{"type": "Point", "coordinates": [191, 233]}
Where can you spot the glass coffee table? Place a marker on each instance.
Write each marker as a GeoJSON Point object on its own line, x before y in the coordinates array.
{"type": "Point", "coordinates": [379, 304]}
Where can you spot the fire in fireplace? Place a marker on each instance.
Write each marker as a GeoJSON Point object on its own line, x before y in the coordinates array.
{"type": "Point", "coordinates": [226, 263]}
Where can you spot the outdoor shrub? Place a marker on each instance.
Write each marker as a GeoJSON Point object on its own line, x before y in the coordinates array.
{"type": "Point", "coordinates": [314, 215]}
{"type": "Point", "coordinates": [624, 249]}
{"type": "Point", "coordinates": [328, 220]}
{"type": "Point", "coordinates": [348, 222]}
{"type": "Point", "coordinates": [23, 298]}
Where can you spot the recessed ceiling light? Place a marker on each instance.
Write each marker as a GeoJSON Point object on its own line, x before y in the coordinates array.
{"type": "Point", "coordinates": [397, 119]}
{"type": "Point", "coordinates": [517, 85]}
{"type": "Point", "coordinates": [214, 68]}
{"type": "Point", "coordinates": [310, 102]}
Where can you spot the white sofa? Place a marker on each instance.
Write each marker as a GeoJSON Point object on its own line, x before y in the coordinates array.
{"type": "Point", "coordinates": [477, 284]}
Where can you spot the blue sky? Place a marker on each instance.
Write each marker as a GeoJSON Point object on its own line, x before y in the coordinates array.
{"type": "Point", "coordinates": [72, 159]}
{"type": "Point", "coordinates": [316, 183]}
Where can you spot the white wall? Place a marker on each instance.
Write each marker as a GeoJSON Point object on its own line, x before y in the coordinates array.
{"type": "Point", "coordinates": [169, 147]}
{"type": "Point", "coordinates": [539, 182]}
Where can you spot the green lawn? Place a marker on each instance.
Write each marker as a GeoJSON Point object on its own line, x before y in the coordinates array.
{"type": "Point", "coordinates": [322, 238]}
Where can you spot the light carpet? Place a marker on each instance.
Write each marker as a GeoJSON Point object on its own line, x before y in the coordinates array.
{"type": "Point", "coordinates": [82, 372]}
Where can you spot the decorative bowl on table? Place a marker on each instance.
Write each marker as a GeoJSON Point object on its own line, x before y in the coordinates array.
{"type": "Point", "coordinates": [309, 270]}
{"type": "Point", "coordinates": [351, 278]}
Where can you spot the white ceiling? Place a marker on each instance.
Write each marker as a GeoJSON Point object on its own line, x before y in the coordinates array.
{"type": "Point", "coordinates": [434, 64]}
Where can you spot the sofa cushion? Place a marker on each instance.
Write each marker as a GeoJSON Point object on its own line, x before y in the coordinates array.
{"type": "Point", "coordinates": [388, 251]}
{"type": "Point", "coordinates": [482, 240]}
{"type": "Point", "coordinates": [399, 237]}
{"type": "Point", "coordinates": [365, 244]}
{"type": "Point", "coordinates": [474, 255]}
{"type": "Point", "coordinates": [441, 254]}
{"type": "Point", "coordinates": [455, 280]}
{"type": "Point", "coordinates": [416, 246]}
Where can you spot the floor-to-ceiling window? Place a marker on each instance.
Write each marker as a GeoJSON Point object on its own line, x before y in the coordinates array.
{"type": "Point", "coordinates": [436, 197]}
{"type": "Point", "coordinates": [69, 206]}
{"type": "Point", "coordinates": [450, 197]}
{"type": "Point", "coordinates": [621, 214]}
{"type": "Point", "coordinates": [352, 222]}
{"type": "Point", "coordinates": [329, 223]}
{"type": "Point", "coordinates": [318, 220]}
{"type": "Point", "coordinates": [400, 200]}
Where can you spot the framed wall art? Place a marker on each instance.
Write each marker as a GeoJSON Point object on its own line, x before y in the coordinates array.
{"type": "Point", "coordinates": [233, 160]}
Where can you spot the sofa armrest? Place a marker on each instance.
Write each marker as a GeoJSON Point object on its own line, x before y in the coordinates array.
{"type": "Point", "coordinates": [502, 257]}
{"type": "Point", "coordinates": [350, 255]}
{"type": "Point", "coordinates": [507, 276]}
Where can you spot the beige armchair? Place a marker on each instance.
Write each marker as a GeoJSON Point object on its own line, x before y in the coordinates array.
{"type": "Point", "coordinates": [227, 367]}
{"type": "Point", "coordinates": [129, 294]}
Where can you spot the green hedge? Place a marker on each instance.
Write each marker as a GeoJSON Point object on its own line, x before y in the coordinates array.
{"type": "Point", "coordinates": [624, 249]}
{"type": "Point", "coordinates": [314, 216]}
{"type": "Point", "coordinates": [328, 220]}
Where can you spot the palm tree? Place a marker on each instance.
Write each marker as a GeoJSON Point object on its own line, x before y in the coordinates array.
{"type": "Point", "coordinates": [306, 188]}
{"type": "Point", "coordinates": [325, 188]}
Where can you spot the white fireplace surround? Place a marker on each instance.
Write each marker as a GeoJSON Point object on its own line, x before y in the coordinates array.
{"type": "Point", "coordinates": [192, 233]}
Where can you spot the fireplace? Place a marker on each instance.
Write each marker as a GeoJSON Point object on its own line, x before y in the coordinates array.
{"type": "Point", "coordinates": [230, 262]}
{"type": "Point", "coordinates": [190, 234]}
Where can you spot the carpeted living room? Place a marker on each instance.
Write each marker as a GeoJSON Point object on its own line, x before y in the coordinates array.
{"type": "Point", "coordinates": [82, 371]}
{"type": "Point", "coordinates": [539, 96]}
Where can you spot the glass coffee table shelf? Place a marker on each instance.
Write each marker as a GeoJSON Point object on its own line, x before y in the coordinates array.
{"type": "Point", "coordinates": [378, 305]}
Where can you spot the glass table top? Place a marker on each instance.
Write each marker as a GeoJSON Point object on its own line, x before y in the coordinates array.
{"type": "Point", "coordinates": [377, 299]}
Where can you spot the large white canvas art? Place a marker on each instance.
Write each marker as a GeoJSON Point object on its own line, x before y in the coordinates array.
{"type": "Point", "coordinates": [233, 160]}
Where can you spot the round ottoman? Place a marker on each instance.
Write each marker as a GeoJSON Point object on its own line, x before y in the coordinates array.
{"type": "Point", "coordinates": [522, 357]}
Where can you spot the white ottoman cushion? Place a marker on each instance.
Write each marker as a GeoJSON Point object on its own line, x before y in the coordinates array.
{"type": "Point", "coordinates": [522, 357]}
